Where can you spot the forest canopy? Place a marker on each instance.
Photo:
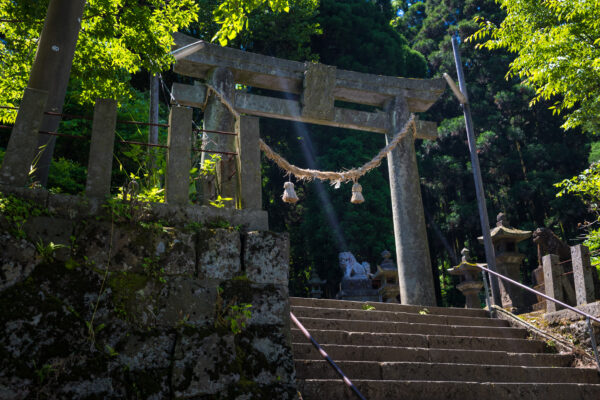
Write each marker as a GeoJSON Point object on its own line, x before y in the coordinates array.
{"type": "Point", "coordinates": [557, 47]}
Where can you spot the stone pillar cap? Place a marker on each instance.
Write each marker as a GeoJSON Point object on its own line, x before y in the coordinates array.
{"type": "Point", "coordinates": [466, 265]}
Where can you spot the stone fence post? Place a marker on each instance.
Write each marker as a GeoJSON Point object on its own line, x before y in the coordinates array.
{"type": "Point", "coordinates": [101, 149]}
{"type": "Point", "coordinates": [22, 144]}
{"type": "Point", "coordinates": [553, 271]}
{"type": "Point", "coordinates": [179, 161]}
{"type": "Point", "coordinates": [248, 163]}
{"type": "Point", "coordinates": [583, 274]}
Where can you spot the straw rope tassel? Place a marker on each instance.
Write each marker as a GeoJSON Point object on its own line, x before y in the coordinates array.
{"type": "Point", "coordinates": [289, 195]}
{"type": "Point", "coordinates": [357, 196]}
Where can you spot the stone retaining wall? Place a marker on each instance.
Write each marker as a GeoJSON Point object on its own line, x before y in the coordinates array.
{"type": "Point", "coordinates": [128, 308]}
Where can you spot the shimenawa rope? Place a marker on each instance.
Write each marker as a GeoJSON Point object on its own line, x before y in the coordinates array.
{"type": "Point", "coordinates": [351, 175]}
{"type": "Point", "coordinates": [335, 178]}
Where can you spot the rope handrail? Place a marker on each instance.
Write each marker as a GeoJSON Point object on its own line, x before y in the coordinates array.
{"type": "Point", "coordinates": [324, 354]}
{"type": "Point", "coordinates": [588, 317]}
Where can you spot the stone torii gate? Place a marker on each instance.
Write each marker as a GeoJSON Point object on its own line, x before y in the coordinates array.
{"type": "Point", "coordinates": [312, 90]}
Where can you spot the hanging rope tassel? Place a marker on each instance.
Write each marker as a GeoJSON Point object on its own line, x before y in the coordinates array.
{"type": "Point", "coordinates": [289, 195]}
{"type": "Point", "coordinates": [357, 196]}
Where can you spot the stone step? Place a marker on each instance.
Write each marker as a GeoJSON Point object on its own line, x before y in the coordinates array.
{"type": "Point", "coordinates": [407, 327]}
{"type": "Point", "coordinates": [358, 305]}
{"type": "Point", "coordinates": [375, 315]}
{"type": "Point", "coordinates": [324, 337]}
{"type": "Point", "coordinates": [306, 351]}
{"type": "Point", "coordinates": [319, 389]}
{"type": "Point", "coordinates": [420, 371]}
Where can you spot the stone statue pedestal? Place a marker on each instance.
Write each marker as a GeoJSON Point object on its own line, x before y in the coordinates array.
{"type": "Point", "coordinates": [470, 285]}
{"type": "Point", "coordinates": [508, 261]}
{"type": "Point", "coordinates": [387, 274]}
{"type": "Point", "coordinates": [356, 283]}
{"type": "Point", "coordinates": [358, 290]}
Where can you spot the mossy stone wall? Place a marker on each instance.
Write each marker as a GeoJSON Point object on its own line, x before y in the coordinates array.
{"type": "Point", "coordinates": [142, 311]}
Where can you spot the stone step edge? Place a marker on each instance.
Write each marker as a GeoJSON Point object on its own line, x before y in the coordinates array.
{"type": "Point", "coordinates": [447, 390]}
{"type": "Point", "coordinates": [495, 352]}
{"type": "Point", "coordinates": [372, 303]}
{"type": "Point", "coordinates": [411, 334]}
{"type": "Point", "coordinates": [409, 323]}
{"type": "Point", "coordinates": [383, 382]}
{"type": "Point", "coordinates": [292, 308]}
{"type": "Point", "coordinates": [434, 364]}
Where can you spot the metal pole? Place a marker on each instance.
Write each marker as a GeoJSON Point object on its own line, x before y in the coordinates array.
{"type": "Point", "coordinates": [324, 354]}
{"type": "Point", "coordinates": [487, 292]}
{"type": "Point", "coordinates": [483, 215]}
{"type": "Point", "coordinates": [594, 345]}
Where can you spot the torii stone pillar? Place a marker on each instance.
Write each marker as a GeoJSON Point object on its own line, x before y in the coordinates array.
{"type": "Point", "coordinates": [218, 118]}
{"type": "Point", "coordinates": [412, 250]}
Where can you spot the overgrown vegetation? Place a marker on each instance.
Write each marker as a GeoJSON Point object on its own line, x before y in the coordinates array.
{"type": "Point", "coordinates": [16, 211]}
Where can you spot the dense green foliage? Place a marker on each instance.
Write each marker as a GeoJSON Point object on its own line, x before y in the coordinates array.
{"type": "Point", "coordinates": [522, 149]}
{"type": "Point", "coordinates": [118, 38]}
{"type": "Point", "coordinates": [558, 53]}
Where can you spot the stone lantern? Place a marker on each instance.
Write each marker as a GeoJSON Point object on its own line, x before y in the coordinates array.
{"type": "Point", "coordinates": [387, 274]}
{"type": "Point", "coordinates": [470, 285]}
{"type": "Point", "coordinates": [315, 284]}
{"type": "Point", "coordinates": [508, 261]}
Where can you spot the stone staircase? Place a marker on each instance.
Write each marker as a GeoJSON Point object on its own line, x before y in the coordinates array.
{"type": "Point", "coordinates": [411, 352]}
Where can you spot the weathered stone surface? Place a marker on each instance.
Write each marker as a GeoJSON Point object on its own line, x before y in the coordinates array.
{"type": "Point", "coordinates": [22, 146]}
{"type": "Point", "coordinates": [101, 149]}
{"type": "Point", "coordinates": [248, 162]}
{"type": "Point", "coordinates": [317, 91]}
{"type": "Point", "coordinates": [178, 156]}
{"type": "Point", "coordinates": [412, 250]}
{"type": "Point", "coordinates": [72, 207]}
{"type": "Point", "coordinates": [552, 281]}
{"type": "Point", "coordinates": [183, 215]}
{"type": "Point", "coordinates": [217, 117]}
{"type": "Point", "coordinates": [196, 365]}
{"type": "Point", "coordinates": [127, 315]}
{"type": "Point", "coordinates": [271, 361]}
{"type": "Point", "coordinates": [266, 257]}
{"type": "Point", "coordinates": [177, 253]}
{"type": "Point", "coordinates": [136, 249]}
{"type": "Point", "coordinates": [140, 351]}
{"type": "Point", "coordinates": [187, 300]}
{"type": "Point", "coordinates": [284, 75]}
{"type": "Point", "coordinates": [118, 248]}
{"type": "Point", "coordinates": [269, 304]}
{"type": "Point", "coordinates": [219, 254]}
{"type": "Point", "coordinates": [568, 315]}
{"type": "Point", "coordinates": [17, 260]}
{"type": "Point", "coordinates": [583, 274]}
